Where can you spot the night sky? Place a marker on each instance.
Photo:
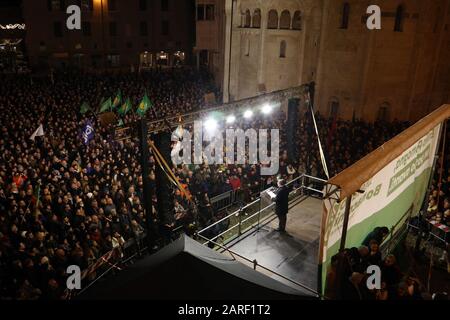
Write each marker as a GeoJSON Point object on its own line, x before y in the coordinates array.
{"type": "Point", "coordinates": [10, 3]}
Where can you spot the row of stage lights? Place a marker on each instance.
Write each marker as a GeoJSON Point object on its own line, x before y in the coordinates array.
{"type": "Point", "coordinates": [211, 124]}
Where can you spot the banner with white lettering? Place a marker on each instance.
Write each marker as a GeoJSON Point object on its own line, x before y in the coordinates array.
{"type": "Point", "coordinates": [88, 132]}
{"type": "Point", "coordinates": [387, 197]}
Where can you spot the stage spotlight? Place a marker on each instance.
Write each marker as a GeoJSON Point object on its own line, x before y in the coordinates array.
{"type": "Point", "coordinates": [266, 109]}
{"type": "Point", "coordinates": [231, 119]}
{"type": "Point", "coordinates": [248, 114]}
{"type": "Point", "coordinates": [210, 125]}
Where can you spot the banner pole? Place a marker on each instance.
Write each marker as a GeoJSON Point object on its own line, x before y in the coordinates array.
{"type": "Point", "coordinates": [340, 266]}
{"type": "Point", "coordinates": [348, 203]}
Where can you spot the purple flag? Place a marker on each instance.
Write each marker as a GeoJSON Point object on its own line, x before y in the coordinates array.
{"type": "Point", "coordinates": [88, 132]}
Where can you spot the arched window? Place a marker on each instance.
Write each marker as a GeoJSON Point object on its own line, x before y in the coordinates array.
{"type": "Point", "coordinates": [242, 19]}
{"type": "Point", "coordinates": [283, 48]}
{"type": "Point", "coordinates": [248, 19]}
{"type": "Point", "coordinates": [383, 112]}
{"type": "Point", "coordinates": [297, 21]}
{"type": "Point", "coordinates": [399, 16]}
{"type": "Point", "coordinates": [272, 22]}
{"type": "Point", "coordinates": [345, 15]}
{"type": "Point", "coordinates": [247, 47]}
{"type": "Point", "coordinates": [285, 20]}
{"type": "Point", "coordinates": [256, 19]}
{"type": "Point", "coordinates": [334, 108]}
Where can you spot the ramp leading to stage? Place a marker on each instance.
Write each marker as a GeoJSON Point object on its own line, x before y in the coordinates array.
{"type": "Point", "coordinates": [293, 254]}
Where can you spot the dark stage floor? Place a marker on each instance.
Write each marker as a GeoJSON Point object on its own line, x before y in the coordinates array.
{"type": "Point", "coordinates": [294, 254]}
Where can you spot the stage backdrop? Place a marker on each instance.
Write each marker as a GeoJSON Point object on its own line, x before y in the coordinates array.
{"type": "Point", "coordinates": [394, 179]}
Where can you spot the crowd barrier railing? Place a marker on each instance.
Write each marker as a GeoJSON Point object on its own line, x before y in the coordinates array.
{"type": "Point", "coordinates": [396, 233]}
{"type": "Point", "coordinates": [224, 200]}
{"type": "Point", "coordinates": [112, 260]}
{"type": "Point", "coordinates": [249, 216]}
{"type": "Point", "coordinates": [157, 125]}
{"type": "Point", "coordinates": [254, 214]}
{"type": "Point", "coordinates": [274, 273]}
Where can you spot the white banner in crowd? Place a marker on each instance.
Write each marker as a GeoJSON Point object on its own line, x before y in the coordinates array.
{"type": "Point", "coordinates": [387, 197]}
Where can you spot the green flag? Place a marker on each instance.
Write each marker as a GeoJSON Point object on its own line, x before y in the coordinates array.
{"type": "Point", "coordinates": [106, 105]}
{"type": "Point", "coordinates": [120, 123]}
{"type": "Point", "coordinates": [125, 107]}
{"type": "Point", "coordinates": [144, 106]}
{"type": "Point", "coordinates": [117, 100]}
{"type": "Point", "coordinates": [84, 108]}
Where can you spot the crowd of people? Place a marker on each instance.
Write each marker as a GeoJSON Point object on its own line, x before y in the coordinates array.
{"type": "Point", "coordinates": [62, 202]}
{"type": "Point", "coordinates": [438, 209]}
{"type": "Point", "coordinates": [66, 203]}
{"type": "Point", "coordinates": [348, 277]}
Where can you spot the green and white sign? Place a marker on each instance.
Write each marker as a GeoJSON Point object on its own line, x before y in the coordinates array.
{"type": "Point", "coordinates": [388, 195]}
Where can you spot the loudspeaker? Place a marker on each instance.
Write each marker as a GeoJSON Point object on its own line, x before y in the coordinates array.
{"type": "Point", "coordinates": [164, 194]}
{"type": "Point", "coordinates": [292, 123]}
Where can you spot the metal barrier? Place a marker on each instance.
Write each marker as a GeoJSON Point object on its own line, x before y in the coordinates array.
{"type": "Point", "coordinates": [245, 218]}
{"type": "Point", "coordinates": [396, 233]}
{"type": "Point", "coordinates": [253, 215]}
{"type": "Point", "coordinates": [132, 248]}
{"type": "Point", "coordinates": [256, 264]}
{"type": "Point", "coordinates": [223, 201]}
{"type": "Point", "coordinates": [188, 118]}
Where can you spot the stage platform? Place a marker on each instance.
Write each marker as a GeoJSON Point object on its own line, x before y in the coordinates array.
{"type": "Point", "coordinates": [293, 254]}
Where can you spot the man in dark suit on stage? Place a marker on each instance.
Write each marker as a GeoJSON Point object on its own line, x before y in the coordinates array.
{"type": "Point", "coordinates": [282, 205]}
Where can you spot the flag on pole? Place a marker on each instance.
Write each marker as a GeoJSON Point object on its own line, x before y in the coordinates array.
{"type": "Point", "coordinates": [88, 132]}
{"type": "Point", "coordinates": [144, 106]}
{"type": "Point", "coordinates": [84, 108]}
{"type": "Point", "coordinates": [105, 105]}
{"type": "Point", "coordinates": [38, 133]}
{"type": "Point", "coordinates": [125, 107]}
{"type": "Point", "coordinates": [117, 100]}
{"type": "Point", "coordinates": [321, 152]}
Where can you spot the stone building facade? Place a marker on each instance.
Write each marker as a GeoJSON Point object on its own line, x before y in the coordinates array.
{"type": "Point", "coordinates": [209, 48]}
{"type": "Point", "coordinates": [114, 33]}
{"type": "Point", "coordinates": [401, 71]}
